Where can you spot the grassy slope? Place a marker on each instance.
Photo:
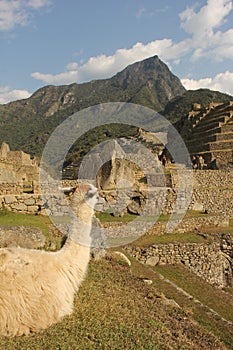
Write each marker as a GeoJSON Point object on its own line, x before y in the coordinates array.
{"type": "Point", "coordinates": [215, 299]}
{"type": "Point", "coordinates": [115, 309]}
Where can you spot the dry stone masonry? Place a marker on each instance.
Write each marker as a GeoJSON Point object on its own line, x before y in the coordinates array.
{"type": "Point", "coordinates": [18, 172]}
{"type": "Point", "coordinates": [212, 261]}
{"type": "Point", "coordinates": [211, 133]}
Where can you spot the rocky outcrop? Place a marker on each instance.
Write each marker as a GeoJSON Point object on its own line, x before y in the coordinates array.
{"type": "Point", "coordinates": [25, 237]}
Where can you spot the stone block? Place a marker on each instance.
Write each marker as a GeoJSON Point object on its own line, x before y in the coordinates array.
{"type": "Point", "coordinates": [32, 209]}
{"type": "Point", "coordinates": [30, 201]}
{"type": "Point", "coordinates": [10, 199]}
{"type": "Point", "coordinates": [198, 206]}
{"type": "Point", "coordinates": [19, 207]}
{"type": "Point", "coordinates": [152, 261]}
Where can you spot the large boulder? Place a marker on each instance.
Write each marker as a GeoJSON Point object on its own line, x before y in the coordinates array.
{"type": "Point", "coordinates": [21, 236]}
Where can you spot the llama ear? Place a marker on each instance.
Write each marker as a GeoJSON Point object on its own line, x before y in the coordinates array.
{"type": "Point", "coordinates": [67, 189]}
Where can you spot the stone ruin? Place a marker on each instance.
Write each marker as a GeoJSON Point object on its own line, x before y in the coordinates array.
{"type": "Point", "coordinates": [122, 169]}
{"type": "Point", "coordinates": [18, 172]}
{"type": "Point", "coordinates": [210, 134]}
{"type": "Point", "coordinates": [119, 170]}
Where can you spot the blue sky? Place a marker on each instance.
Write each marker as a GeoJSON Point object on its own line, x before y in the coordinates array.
{"type": "Point", "coordinates": [59, 42]}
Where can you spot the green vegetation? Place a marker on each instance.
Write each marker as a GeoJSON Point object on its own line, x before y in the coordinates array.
{"type": "Point", "coordinates": [147, 240]}
{"type": "Point", "coordinates": [108, 217]}
{"type": "Point", "coordinates": [201, 290]}
{"type": "Point", "coordinates": [15, 219]}
{"type": "Point", "coordinates": [42, 222]}
{"type": "Point", "coordinates": [178, 108]}
{"type": "Point", "coordinates": [211, 297]}
{"type": "Point", "coordinates": [115, 309]}
{"type": "Point", "coordinates": [95, 137]}
{"type": "Point", "coordinates": [27, 124]}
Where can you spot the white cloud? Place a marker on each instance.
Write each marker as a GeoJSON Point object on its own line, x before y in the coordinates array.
{"type": "Point", "coordinates": [203, 25]}
{"type": "Point", "coordinates": [103, 66]}
{"type": "Point", "coordinates": [140, 12]}
{"type": "Point", "coordinates": [37, 4]}
{"type": "Point", "coordinates": [8, 95]}
{"type": "Point", "coordinates": [72, 66]}
{"type": "Point", "coordinates": [67, 77]}
{"type": "Point", "coordinates": [204, 41]}
{"type": "Point", "coordinates": [209, 17]}
{"type": "Point", "coordinates": [221, 82]}
{"type": "Point", "coordinates": [143, 12]}
{"type": "Point", "coordinates": [17, 12]}
{"type": "Point", "coordinates": [70, 75]}
{"type": "Point", "coordinates": [11, 14]}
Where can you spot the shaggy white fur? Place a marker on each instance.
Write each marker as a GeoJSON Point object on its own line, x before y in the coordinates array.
{"type": "Point", "coordinates": [37, 287]}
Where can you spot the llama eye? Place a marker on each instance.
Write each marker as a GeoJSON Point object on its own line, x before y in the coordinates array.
{"type": "Point", "coordinates": [92, 193]}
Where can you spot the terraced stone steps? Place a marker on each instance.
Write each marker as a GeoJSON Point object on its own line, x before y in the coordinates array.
{"type": "Point", "coordinates": [206, 127]}
{"type": "Point", "coordinates": [208, 121]}
{"type": "Point", "coordinates": [212, 134]}
{"type": "Point", "coordinates": [211, 146]}
{"type": "Point", "coordinates": [206, 117]}
{"type": "Point", "coordinates": [223, 157]}
{"type": "Point", "coordinates": [225, 129]}
{"type": "Point", "coordinates": [208, 139]}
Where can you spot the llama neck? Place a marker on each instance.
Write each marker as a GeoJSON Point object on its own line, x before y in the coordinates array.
{"type": "Point", "coordinates": [79, 232]}
{"type": "Point", "coordinates": [81, 224]}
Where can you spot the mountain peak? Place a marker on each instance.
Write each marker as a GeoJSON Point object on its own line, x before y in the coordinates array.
{"type": "Point", "coordinates": [149, 83]}
{"type": "Point", "coordinates": [153, 74]}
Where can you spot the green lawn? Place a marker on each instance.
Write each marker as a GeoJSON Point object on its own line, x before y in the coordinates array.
{"type": "Point", "coordinates": [199, 289]}
{"type": "Point", "coordinates": [148, 240]}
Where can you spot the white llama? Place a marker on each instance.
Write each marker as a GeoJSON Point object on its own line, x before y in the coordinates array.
{"type": "Point", "coordinates": [37, 287]}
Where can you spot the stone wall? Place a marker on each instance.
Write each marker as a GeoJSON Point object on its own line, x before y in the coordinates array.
{"type": "Point", "coordinates": [193, 224]}
{"type": "Point", "coordinates": [33, 204]}
{"type": "Point", "coordinates": [19, 187]}
{"type": "Point", "coordinates": [7, 188]}
{"type": "Point", "coordinates": [205, 260]}
{"type": "Point", "coordinates": [186, 225]}
{"type": "Point", "coordinates": [16, 166]}
{"type": "Point", "coordinates": [213, 179]}
{"type": "Point", "coordinates": [213, 189]}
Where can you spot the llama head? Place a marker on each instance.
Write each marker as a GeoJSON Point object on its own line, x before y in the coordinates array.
{"type": "Point", "coordinates": [84, 199]}
{"type": "Point", "coordinates": [88, 193]}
